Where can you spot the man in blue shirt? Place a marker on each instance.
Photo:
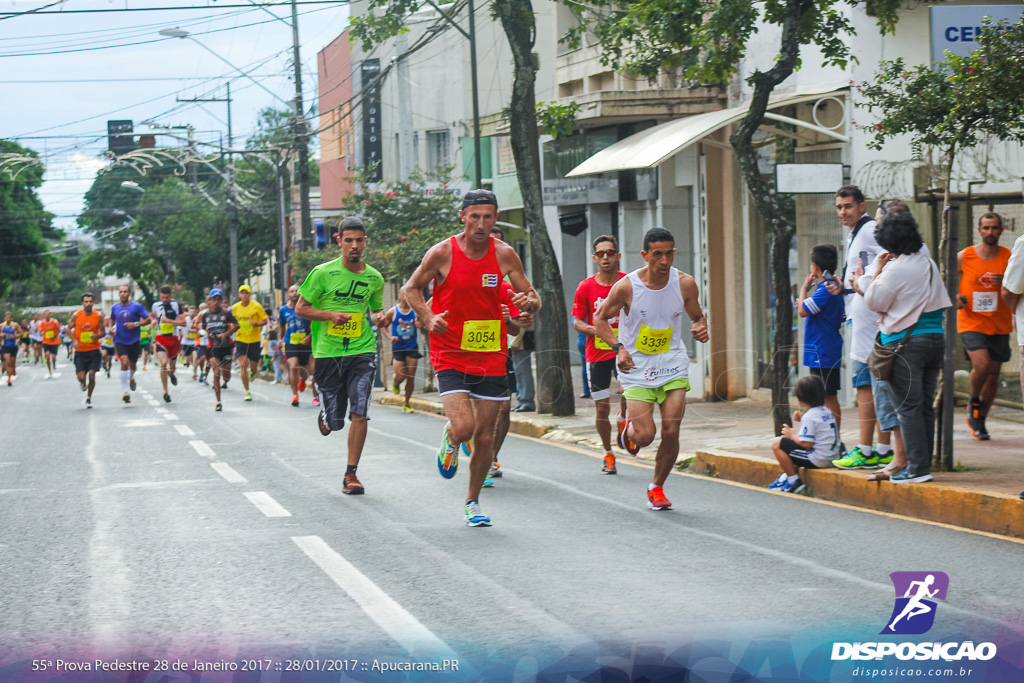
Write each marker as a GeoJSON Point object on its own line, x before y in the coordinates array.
{"type": "Point", "coordinates": [825, 312]}
{"type": "Point", "coordinates": [297, 334]}
{"type": "Point", "coordinates": [128, 316]}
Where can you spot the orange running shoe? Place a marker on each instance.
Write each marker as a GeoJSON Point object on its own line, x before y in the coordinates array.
{"type": "Point", "coordinates": [609, 464]}
{"type": "Point", "coordinates": [624, 441]}
{"type": "Point", "coordinates": [656, 499]}
{"type": "Point", "coordinates": [352, 485]}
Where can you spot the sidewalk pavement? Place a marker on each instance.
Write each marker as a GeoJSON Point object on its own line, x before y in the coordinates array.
{"type": "Point", "coordinates": [732, 440]}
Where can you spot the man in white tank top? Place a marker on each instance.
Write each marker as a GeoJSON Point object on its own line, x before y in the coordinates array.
{"type": "Point", "coordinates": [650, 353]}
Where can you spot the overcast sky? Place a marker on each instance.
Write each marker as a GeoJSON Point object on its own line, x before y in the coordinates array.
{"type": "Point", "coordinates": [62, 76]}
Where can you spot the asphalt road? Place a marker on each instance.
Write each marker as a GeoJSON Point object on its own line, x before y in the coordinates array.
{"type": "Point", "coordinates": [174, 530]}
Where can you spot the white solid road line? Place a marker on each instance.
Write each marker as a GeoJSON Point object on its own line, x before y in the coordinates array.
{"type": "Point", "coordinates": [152, 402]}
{"type": "Point", "coordinates": [266, 504]}
{"type": "Point", "coordinates": [202, 448]}
{"type": "Point", "coordinates": [170, 416]}
{"type": "Point", "coordinates": [225, 470]}
{"type": "Point", "coordinates": [378, 605]}
{"type": "Point", "coordinates": [184, 430]}
{"type": "Point", "coordinates": [160, 411]}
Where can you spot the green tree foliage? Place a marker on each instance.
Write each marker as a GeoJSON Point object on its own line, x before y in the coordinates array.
{"type": "Point", "coordinates": [25, 227]}
{"type": "Point", "coordinates": [704, 43]}
{"type": "Point", "coordinates": [173, 233]}
{"type": "Point", "coordinates": [404, 219]}
{"type": "Point", "coordinates": [963, 102]}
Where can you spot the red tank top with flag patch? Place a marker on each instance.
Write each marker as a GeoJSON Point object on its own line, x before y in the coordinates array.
{"type": "Point", "coordinates": [475, 341]}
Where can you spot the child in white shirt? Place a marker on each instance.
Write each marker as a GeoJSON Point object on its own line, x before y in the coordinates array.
{"type": "Point", "coordinates": [812, 446]}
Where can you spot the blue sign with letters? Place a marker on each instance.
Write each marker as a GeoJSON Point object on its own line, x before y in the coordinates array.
{"type": "Point", "coordinates": [956, 27]}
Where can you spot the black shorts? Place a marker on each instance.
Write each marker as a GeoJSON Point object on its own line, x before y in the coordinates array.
{"type": "Point", "coordinates": [129, 351]}
{"type": "Point", "coordinates": [601, 373]}
{"type": "Point", "coordinates": [86, 361]}
{"type": "Point", "coordinates": [187, 349]}
{"type": "Point", "coordinates": [222, 354]}
{"type": "Point", "coordinates": [27, 341]}
{"type": "Point", "coordinates": [344, 380]}
{"type": "Point", "coordinates": [300, 353]}
{"type": "Point", "coordinates": [251, 350]}
{"type": "Point", "coordinates": [797, 453]}
{"type": "Point", "coordinates": [9, 351]}
{"type": "Point", "coordinates": [487, 388]}
{"type": "Point", "coordinates": [997, 345]}
{"type": "Point", "coordinates": [403, 355]}
{"type": "Point", "coordinates": [830, 376]}
{"type": "Point", "coordinates": [201, 351]}
{"type": "Point", "coordinates": [51, 348]}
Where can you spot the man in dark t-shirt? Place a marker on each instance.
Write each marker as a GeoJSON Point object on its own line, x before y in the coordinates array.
{"type": "Point", "coordinates": [219, 324]}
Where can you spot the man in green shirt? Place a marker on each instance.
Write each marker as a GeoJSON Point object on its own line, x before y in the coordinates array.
{"type": "Point", "coordinates": [341, 297]}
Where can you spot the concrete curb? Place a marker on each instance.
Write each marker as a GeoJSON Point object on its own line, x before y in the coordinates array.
{"type": "Point", "coordinates": [990, 512]}
{"type": "Point", "coordinates": [518, 425]}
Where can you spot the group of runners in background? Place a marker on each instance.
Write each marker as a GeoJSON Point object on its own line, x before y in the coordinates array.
{"type": "Point", "coordinates": [480, 295]}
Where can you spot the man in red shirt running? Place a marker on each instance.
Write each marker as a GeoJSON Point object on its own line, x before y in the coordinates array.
{"type": "Point", "coordinates": [590, 294]}
{"type": "Point", "coordinates": [468, 346]}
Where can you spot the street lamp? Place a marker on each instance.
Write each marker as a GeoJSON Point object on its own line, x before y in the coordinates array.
{"type": "Point", "coordinates": [132, 185]}
{"type": "Point", "coordinates": [295, 105]}
{"type": "Point", "coordinates": [182, 33]}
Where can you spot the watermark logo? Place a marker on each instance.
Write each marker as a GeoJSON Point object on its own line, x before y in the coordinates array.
{"type": "Point", "coordinates": [916, 596]}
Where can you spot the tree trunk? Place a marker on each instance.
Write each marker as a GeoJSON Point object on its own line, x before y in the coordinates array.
{"type": "Point", "coordinates": [767, 203]}
{"type": "Point", "coordinates": [554, 374]}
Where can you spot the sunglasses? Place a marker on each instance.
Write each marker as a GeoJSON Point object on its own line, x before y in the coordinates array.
{"type": "Point", "coordinates": [606, 252]}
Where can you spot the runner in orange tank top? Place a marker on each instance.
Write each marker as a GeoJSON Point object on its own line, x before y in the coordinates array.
{"type": "Point", "coordinates": [468, 346]}
{"type": "Point", "coordinates": [983, 319]}
{"type": "Point", "coordinates": [87, 329]}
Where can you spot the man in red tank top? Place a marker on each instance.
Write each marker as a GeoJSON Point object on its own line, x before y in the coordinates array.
{"type": "Point", "coordinates": [983, 320]}
{"type": "Point", "coordinates": [468, 344]}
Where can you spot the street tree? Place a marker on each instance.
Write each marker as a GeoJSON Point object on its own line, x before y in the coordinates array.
{"type": "Point", "coordinates": [25, 226]}
{"type": "Point", "coordinates": [953, 106]}
{"type": "Point", "coordinates": [404, 218]}
{"type": "Point", "coordinates": [704, 43]}
{"type": "Point", "coordinates": [386, 18]}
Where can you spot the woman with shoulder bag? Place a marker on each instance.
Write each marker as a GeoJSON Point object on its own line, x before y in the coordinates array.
{"type": "Point", "coordinates": [910, 297]}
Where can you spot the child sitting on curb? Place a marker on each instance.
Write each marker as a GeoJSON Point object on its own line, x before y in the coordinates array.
{"type": "Point", "coordinates": [812, 446]}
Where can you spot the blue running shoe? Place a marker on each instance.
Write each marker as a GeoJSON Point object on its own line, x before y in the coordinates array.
{"type": "Point", "coordinates": [447, 456]}
{"type": "Point", "coordinates": [474, 516]}
{"type": "Point", "coordinates": [488, 482]}
{"type": "Point", "coordinates": [778, 483]}
{"type": "Point", "coordinates": [467, 448]}
{"type": "Point", "coordinates": [796, 487]}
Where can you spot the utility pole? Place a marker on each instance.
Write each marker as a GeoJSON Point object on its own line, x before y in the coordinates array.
{"type": "Point", "coordinates": [282, 259]}
{"type": "Point", "coordinates": [476, 95]}
{"type": "Point", "coordinates": [300, 139]}
{"type": "Point", "coordinates": [193, 174]}
{"type": "Point", "coordinates": [406, 150]}
{"type": "Point", "coordinates": [232, 202]}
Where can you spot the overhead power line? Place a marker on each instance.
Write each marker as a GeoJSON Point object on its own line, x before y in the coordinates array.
{"type": "Point", "coordinates": [143, 42]}
{"type": "Point", "coordinates": [43, 10]}
{"type": "Point", "coordinates": [133, 80]}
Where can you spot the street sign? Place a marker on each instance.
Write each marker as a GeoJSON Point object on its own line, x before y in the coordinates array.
{"type": "Point", "coordinates": [956, 27]}
{"type": "Point", "coordinates": [808, 178]}
{"type": "Point", "coordinates": [119, 137]}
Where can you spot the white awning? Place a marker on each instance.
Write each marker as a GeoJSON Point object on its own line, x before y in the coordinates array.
{"type": "Point", "coordinates": [650, 147]}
